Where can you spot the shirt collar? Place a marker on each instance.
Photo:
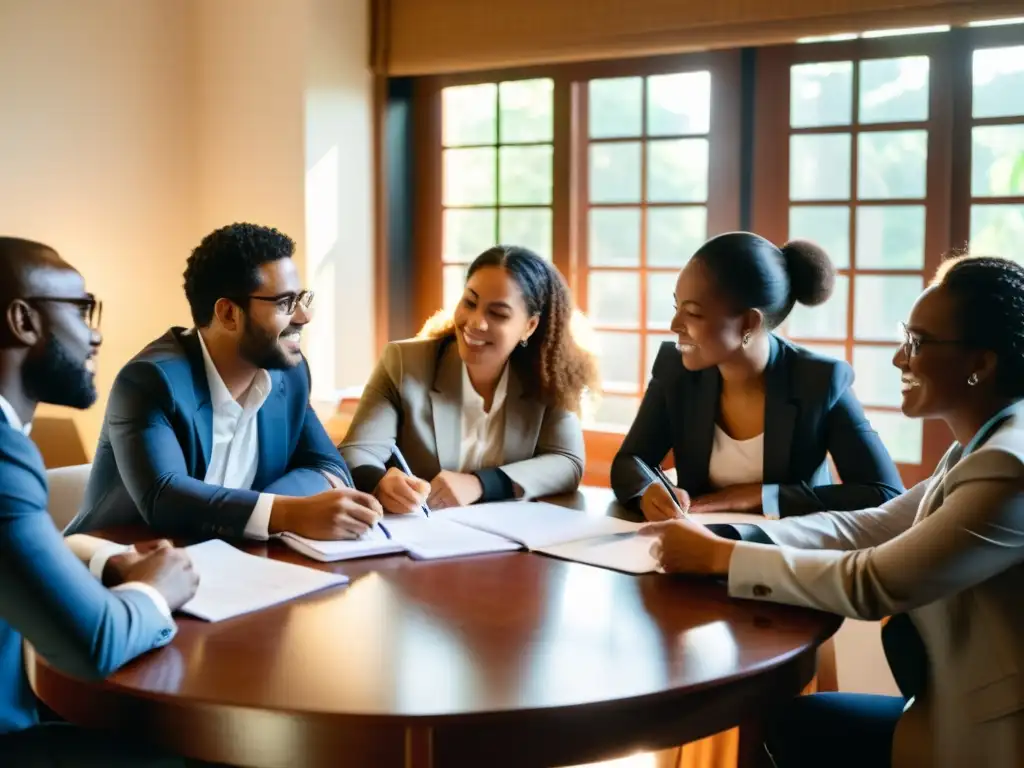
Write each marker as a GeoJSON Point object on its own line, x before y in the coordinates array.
{"type": "Point", "coordinates": [988, 428]}
{"type": "Point", "coordinates": [470, 397]}
{"type": "Point", "coordinates": [12, 417]}
{"type": "Point", "coordinates": [220, 395]}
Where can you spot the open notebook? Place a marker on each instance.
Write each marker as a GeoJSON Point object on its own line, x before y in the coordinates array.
{"type": "Point", "coordinates": [549, 529]}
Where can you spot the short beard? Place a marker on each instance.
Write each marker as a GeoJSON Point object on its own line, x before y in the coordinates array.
{"type": "Point", "coordinates": [262, 350]}
{"type": "Point", "coordinates": [54, 377]}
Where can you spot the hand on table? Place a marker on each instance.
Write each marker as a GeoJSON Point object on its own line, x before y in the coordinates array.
{"type": "Point", "coordinates": [657, 504]}
{"type": "Point", "coordinates": [684, 546]}
{"type": "Point", "coordinates": [454, 489]}
{"type": "Point", "coordinates": [335, 515]}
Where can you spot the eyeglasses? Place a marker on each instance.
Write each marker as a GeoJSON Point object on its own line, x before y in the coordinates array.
{"type": "Point", "coordinates": [287, 303]}
{"type": "Point", "coordinates": [89, 306]}
{"type": "Point", "coordinates": [912, 342]}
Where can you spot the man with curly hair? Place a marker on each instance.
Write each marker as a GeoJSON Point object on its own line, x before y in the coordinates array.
{"type": "Point", "coordinates": [209, 431]}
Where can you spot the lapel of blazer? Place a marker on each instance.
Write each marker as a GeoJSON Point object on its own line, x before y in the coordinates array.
{"type": "Point", "coordinates": [446, 405]}
{"type": "Point", "coordinates": [696, 445]}
{"type": "Point", "coordinates": [779, 415]}
{"type": "Point", "coordinates": [272, 433]}
{"type": "Point", "coordinates": [523, 417]}
{"type": "Point", "coordinates": [202, 419]}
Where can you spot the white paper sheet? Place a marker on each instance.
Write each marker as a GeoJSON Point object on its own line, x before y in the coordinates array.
{"type": "Point", "coordinates": [435, 539]}
{"type": "Point", "coordinates": [627, 552]}
{"type": "Point", "coordinates": [232, 582]}
{"type": "Point", "coordinates": [372, 544]}
{"type": "Point", "coordinates": [536, 524]}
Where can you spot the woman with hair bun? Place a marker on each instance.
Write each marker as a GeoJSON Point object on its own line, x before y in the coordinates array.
{"type": "Point", "coordinates": [749, 417]}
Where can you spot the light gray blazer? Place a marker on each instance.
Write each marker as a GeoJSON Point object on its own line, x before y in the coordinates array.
{"type": "Point", "coordinates": [950, 553]}
{"type": "Point", "coordinates": [414, 400]}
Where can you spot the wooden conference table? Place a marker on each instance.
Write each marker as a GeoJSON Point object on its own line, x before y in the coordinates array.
{"type": "Point", "coordinates": [509, 659]}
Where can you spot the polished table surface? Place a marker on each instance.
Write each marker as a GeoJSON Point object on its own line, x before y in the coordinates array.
{"type": "Point", "coordinates": [506, 659]}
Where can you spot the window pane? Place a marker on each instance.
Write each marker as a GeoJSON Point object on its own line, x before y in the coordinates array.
{"type": "Point", "coordinates": [894, 90]}
{"type": "Point", "coordinates": [999, 82]}
{"type": "Point", "coordinates": [877, 381]}
{"type": "Point", "coordinates": [890, 237]}
{"type": "Point", "coordinates": [675, 234]}
{"type": "Point", "coordinates": [881, 304]}
{"type": "Point", "coordinates": [467, 234]}
{"type": "Point", "coordinates": [615, 412]}
{"type": "Point", "coordinates": [528, 227]}
{"type": "Point", "coordinates": [615, 107]}
{"type": "Point", "coordinates": [902, 437]}
{"type": "Point", "coordinates": [828, 226]}
{"type": "Point", "coordinates": [819, 167]}
{"type": "Point", "coordinates": [654, 342]}
{"type": "Point", "coordinates": [826, 321]}
{"type": "Point", "coordinates": [615, 172]}
{"type": "Point", "coordinates": [835, 351]}
{"type": "Point", "coordinates": [660, 302]}
{"type": "Point", "coordinates": [614, 238]}
{"type": "Point", "coordinates": [619, 361]}
{"type": "Point", "coordinates": [613, 299]}
{"type": "Point", "coordinates": [679, 104]}
{"type": "Point", "coordinates": [821, 94]}
{"type": "Point", "coordinates": [525, 175]}
{"type": "Point", "coordinates": [998, 230]}
{"type": "Point", "coordinates": [677, 171]}
{"type": "Point", "coordinates": [469, 177]}
{"type": "Point", "coordinates": [453, 280]}
{"type": "Point", "coordinates": [468, 114]}
{"type": "Point", "coordinates": [891, 165]}
{"type": "Point", "coordinates": [997, 161]}
{"type": "Point", "coordinates": [526, 110]}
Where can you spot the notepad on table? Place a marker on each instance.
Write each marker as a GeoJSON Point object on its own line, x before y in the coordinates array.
{"type": "Point", "coordinates": [232, 583]}
{"type": "Point", "coordinates": [420, 537]}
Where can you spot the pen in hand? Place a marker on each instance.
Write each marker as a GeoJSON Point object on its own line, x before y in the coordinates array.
{"type": "Point", "coordinates": [671, 492]}
{"type": "Point", "coordinates": [404, 466]}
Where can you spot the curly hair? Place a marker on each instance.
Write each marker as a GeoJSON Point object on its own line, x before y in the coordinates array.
{"type": "Point", "coordinates": [553, 367]}
{"type": "Point", "coordinates": [989, 293]}
{"type": "Point", "coordinates": [225, 265]}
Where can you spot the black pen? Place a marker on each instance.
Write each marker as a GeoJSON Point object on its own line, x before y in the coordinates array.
{"type": "Point", "coordinates": [404, 466]}
{"type": "Point", "coordinates": [668, 487]}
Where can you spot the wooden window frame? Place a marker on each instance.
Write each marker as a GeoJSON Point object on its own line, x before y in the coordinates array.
{"type": "Point", "coordinates": [570, 204]}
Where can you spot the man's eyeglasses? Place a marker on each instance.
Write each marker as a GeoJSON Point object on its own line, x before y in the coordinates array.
{"type": "Point", "coordinates": [287, 303]}
{"type": "Point", "coordinates": [912, 342]}
{"type": "Point", "coordinates": [89, 306]}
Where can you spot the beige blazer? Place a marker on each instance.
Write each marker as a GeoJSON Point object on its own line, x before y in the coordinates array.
{"type": "Point", "coordinates": [950, 552]}
{"type": "Point", "coordinates": [414, 400]}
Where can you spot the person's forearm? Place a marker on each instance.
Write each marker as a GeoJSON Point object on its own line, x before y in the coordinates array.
{"type": "Point", "coordinates": [85, 546]}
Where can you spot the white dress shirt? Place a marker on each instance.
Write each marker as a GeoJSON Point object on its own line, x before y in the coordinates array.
{"type": "Point", "coordinates": [12, 417]}
{"type": "Point", "coordinates": [234, 456]}
{"type": "Point", "coordinates": [99, 559]}
{"type": "Point", "coordinates": [483, 432]}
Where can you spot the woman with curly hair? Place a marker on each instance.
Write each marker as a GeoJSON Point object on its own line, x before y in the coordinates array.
{"type": "Point", "coordinates": [485, 405]}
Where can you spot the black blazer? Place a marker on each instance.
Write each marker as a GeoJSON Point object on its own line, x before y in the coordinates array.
{"type": "Point", "coordinates": [809, 412]}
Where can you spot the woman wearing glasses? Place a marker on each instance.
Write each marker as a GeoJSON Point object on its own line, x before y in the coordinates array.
{"type": "Point", "coordinates": [945, 559]}
{"type": "Point", "coordinates": [484, 406]}
{"type": "Point", "coordinates": [748, 416]}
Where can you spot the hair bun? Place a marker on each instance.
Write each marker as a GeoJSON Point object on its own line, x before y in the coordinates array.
{"type": "Point", "coordinates": [812, 275]}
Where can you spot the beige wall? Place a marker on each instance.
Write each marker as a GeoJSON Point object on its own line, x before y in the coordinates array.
{"type": "Point", "coordinates": [96, 156]}
{"type": "Point", "coordinates": [133, 127]}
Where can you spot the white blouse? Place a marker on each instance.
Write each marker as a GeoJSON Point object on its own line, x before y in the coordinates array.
{"type": "Point", "coordinates": [483, 432]}
{"type": "Point", "coordinates": [735, 462]}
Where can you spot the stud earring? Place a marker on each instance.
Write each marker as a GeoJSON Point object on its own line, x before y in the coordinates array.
{"type": "Point", "coordinates": [522, 343]}
{"type": "Point", "coordinates": [746, 338]}
{"type": "Point", "coordinates": [972, 380]}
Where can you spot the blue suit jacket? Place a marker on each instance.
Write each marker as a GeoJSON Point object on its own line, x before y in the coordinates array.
{"type": "Point", "coordinates": [809, 412]}
{"type": "Point", "coordinates": [157, 436]}
{"type": "Point", "coordinates": [48, 597]}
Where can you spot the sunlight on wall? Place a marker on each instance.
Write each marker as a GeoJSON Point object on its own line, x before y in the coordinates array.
{"type": "Point", "coordinates": [321, 254]}
{"type": "Point", "coordinates": [633, 761]}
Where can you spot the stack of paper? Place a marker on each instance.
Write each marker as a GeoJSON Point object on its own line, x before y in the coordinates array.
{"type": "Point", "coordinates": [232, 583]}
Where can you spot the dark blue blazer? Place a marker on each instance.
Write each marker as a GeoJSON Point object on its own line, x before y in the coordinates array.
{"type": "Point", "coordinates": [49, 597]}
{"type": "Point", "coordinates": [810, 411]}
{"type": "Point", "coordinates": [157, 435]}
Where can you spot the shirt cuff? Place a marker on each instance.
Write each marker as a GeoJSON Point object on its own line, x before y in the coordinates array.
{"type": "Point", "coordinates": [770, 501]}
{"type": "Point", "coordinates": [751, 568]}
{"type": "Point", "coordinates": [99, 559]}
{"type": "Point", "coordinates": [153, 594]}
{"type": "Point", "coordinates": [258, 526]}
